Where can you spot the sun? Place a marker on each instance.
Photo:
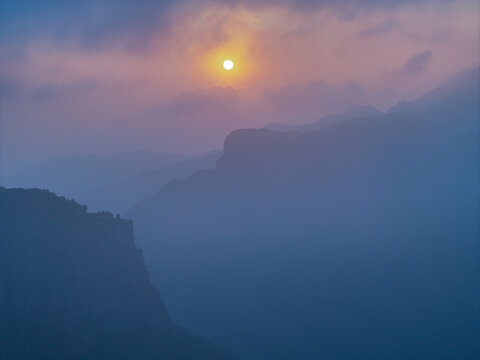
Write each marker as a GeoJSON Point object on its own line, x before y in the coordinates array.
{"type": "Point", "coordinates": [228, 64]}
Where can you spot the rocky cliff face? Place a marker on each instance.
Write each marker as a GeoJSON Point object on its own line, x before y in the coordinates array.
{"type": "Point", "coordinates": [75, 286]}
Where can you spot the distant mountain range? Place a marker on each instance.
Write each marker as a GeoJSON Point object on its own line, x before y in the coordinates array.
{"type": "Point", "coordinates": [74, 173]}
{"type": "Point", "coordinates": [355, 241]}
{"type": "Point", "coordinates": [464, 80]}
{"type": "Point", "coordinates": [74, 286]}
{"type": "Point", "coordinates": [119, 198]}
{"type": "Point", "coordinates": [110, 183]}
{"type": "Point", "coordinates": [354, 112]}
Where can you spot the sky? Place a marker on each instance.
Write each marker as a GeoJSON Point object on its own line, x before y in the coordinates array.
{"type": "Point", "coordinates": [112, 76]}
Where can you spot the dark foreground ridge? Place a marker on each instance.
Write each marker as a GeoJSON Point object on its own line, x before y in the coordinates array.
{"type": "Point", "coordinates": [73, 285]}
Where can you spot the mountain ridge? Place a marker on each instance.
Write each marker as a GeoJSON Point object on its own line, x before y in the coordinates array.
{"type": "Point", "coordinates": [75, 286]}
{"type": "Point", "coordinates": [353, 112]}
{"type": "Point", "coordinates": [78, 172]}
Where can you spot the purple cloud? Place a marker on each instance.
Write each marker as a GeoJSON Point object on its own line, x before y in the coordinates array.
{"type": "Point", "coordinates": [378, 29]}
{"type": "Point", "coordinates": [315, 97]}
{"type": "Point", "coordinates": [416, 64]}
{"type": "Point", "coordinates": [192, 102]}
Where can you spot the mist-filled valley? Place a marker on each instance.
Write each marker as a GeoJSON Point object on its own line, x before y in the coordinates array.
{"type": "Point", "coordinates": [239, 180]}
{"type": "Point", "coordinates": [363, 233]}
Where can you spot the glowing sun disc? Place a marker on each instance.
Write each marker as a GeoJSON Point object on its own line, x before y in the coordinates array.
{"type": "Point", "coordinates": [228, 64]}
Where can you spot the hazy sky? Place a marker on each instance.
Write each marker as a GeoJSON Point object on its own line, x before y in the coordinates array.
{"type": "Point", "coordinates": [109, 76]}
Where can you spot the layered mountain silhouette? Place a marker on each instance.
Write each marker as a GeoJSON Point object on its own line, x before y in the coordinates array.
{"type": "Point", "coordinates": [120, 197]}
{"type": "Point", "coordinates": [110, 183]}
{"type": "Point", "coordinates": [354, 112]}
{"type": "Point", "coordinates": [463, 80]}
{"type": "Point", "coordinates": [75, 173]}
{"type": "Point", "coordinates": [356, 241]}
{"type": "Point", "coordinates": [73, 285]}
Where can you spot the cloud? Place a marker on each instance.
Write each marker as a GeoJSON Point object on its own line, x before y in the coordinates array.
{"type": "Point", "coordinates": [15, 86]}
{"type": "Point", "coordinates": [9, 85]}
{"type": "Point", "coordinates": [378, 29]}
{"type": "Point", "coordinates": [199, 118]}
{"type": "Point", "coordinates": [315, 98]}
{"type": "Point", "coordinates": [53, 91]}
{"type": "Point", "coordinates": [326, 3]}
{"type": "Point", "coordinates": [192, 103]}
{"type": "Point", "coordinates": [416, 64]}
{"type": "Point", "coordinates": [132, 23]}
{"type": "Point", "coordinates": [411, 69]}
{"type": "Point", "coordinates": [88, 23]}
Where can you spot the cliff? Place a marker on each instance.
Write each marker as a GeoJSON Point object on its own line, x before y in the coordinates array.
{"type": "Point", "coordinates": [75, 286]}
